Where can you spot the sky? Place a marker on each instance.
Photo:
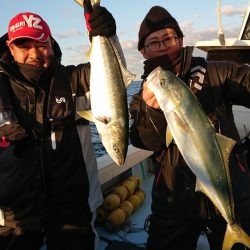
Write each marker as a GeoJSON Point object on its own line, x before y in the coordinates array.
{"type": "Point", "coordinates": [197, 19]}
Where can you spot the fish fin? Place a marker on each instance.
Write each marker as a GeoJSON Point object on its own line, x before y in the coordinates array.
{"type": "Point", "coordinates": [103, 119]}
{"type": "Point", "coordinates": [88, 53]}
{"type": "Point", "coordinates": [93, 2]}
{"type": "Point", "coordinates": [198, 186]}
{"type": "Point", "coordinates": [87, 114]}
{"type": "Point", "coordinates": [169, 137]}
{"type": "Point", "coordinates": [226, 145]}
{"type": "Point", "coordinates": [235, 234]}
{"type": "Point", "coordinates": [80, 2]}
{"type": "Point", "coordinates": [127, 76]}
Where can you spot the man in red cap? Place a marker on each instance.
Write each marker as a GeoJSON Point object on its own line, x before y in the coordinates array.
{"type": "Point", "coordinates": [27, 30]}
{"type": "Point", "coordinates": [179, 214]}
{"type": "Point", "coordinates": [44, 186]}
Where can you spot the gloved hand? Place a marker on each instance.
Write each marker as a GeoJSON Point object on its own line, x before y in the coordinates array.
{"type": "Point", "coordinates": [100, 22]}
{"type": "Point", "coordinates": [166, 61]}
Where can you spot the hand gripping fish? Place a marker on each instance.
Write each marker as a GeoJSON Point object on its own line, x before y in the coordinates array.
{"type": "Point", "coordinates": [109, 80]}
{"type": "Point", "coordinates": [206, 152]}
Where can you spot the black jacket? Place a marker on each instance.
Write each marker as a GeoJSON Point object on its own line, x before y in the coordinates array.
{"type": "Point", "coordinates": [43, 180]}
{"type": "Point", "coordinates": [218, 86]}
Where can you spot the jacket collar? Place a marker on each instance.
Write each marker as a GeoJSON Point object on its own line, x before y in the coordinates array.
{"type": "Point", "coordinates": [186, 54]}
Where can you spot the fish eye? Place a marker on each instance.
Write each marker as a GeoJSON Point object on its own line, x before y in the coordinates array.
{"type": "Point", "coordinates": [162, 82]}
{"type": "Point", "coordinates": [115, 148]}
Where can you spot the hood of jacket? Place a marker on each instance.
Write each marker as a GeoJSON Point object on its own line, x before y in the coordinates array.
{"type": "Point", "coordinates": [6, 56]}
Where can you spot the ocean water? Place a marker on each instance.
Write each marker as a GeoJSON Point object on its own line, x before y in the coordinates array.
{"type": "Point", "coordinates": [98, 147]}
{"type": "Point", "coordinates": [241, 115]}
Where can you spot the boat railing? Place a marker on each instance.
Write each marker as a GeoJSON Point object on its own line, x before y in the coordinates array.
{"type": "Point", "coordinates": [109, 171]}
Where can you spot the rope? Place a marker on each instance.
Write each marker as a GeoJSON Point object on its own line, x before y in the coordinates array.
{"type": "Point", "coordinates": [221, 36]}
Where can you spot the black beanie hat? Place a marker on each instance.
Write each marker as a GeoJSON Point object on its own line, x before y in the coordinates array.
{"type": "Point", "coordinates": [157, 18]}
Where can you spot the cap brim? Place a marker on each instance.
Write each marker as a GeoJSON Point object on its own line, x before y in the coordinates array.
{"type": "Point", "coordinates": [43, 38]}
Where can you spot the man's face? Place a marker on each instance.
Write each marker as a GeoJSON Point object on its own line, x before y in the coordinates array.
{"type": "Point", "coordinates": [31, 52]}
{"type": "Point", "coordinates": [160, 42]}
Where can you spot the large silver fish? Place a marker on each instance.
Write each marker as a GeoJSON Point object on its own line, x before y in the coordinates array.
{"type": "Point", "coordinates": [109, 80]}
{"type": "Point", "coordinates": [205, 152]}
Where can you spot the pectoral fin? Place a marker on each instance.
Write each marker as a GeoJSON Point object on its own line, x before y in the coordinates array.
{"type": "Point", "coordinates": [86, 115]}
{"type": "Point", "coordinates": [104, 119]}
{"type": "Point", "coordinates": [169, 137]}
{"type": "Point", "coordinates": [198, 186]}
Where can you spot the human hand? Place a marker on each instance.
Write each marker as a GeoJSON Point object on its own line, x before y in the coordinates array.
{"type": "Point", "coordinates": [100, 22]}
{"type": "Point", "coordinates": [149, 97]}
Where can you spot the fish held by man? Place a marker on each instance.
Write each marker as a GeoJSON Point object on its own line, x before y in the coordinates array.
{"type": "Point", "coordinates": [109, 80]}
{"type": "Point", "coordinates": [206, 152]}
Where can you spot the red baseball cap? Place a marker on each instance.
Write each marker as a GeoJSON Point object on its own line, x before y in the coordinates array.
{"type": "Point", "coordinates": [28, 25]}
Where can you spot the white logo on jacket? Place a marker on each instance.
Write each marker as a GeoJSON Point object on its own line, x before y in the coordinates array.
{"type": "Point", "coordinates": [197, 75]}
{"type": "Point", "coordinates": [60, 100]}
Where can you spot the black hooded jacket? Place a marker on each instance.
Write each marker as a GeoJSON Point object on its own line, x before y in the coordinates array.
{"type": "Point", "coordinates": [43, 180]}
{"type": "Point", "coordinates": [218, 86]}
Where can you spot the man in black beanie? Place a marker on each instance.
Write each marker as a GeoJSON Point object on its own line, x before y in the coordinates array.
{"type": "Point", "coordinates": [179, 214]}
{"type": "Point", "coordinates": [157, 18]}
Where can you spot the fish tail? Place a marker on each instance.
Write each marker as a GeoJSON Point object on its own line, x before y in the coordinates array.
{"type": "Point", "coordinates": [235, 234]}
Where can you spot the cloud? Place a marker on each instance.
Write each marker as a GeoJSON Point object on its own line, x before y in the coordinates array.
{"type": "Point", "coordinates": [191, 29]}
{"type": "Point", "coordinates": [229, 10]}
{"type": "Point", "coordinates": [69, 34]}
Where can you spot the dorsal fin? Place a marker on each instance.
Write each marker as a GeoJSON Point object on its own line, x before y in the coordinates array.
{"type": "Point", "coordinates": [128, 77]}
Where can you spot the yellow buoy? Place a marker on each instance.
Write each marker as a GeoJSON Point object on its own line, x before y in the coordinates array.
{"type": "Point", "coordinates": [130, 186]}
{"type": "Point", "coordinates": [102, 214]}
{"type": "Point", "coordinates": [141, 194]}
{"type": "Point", "coordinates": [136, 179]}
{"type": "Point", "coordinates": [121, 191]}
{"type": "Point", "coordinates": [117, 217]}
{"type": "Point", "coordinates": [127, 207]}
{"type": "Point", "coordinates": [111, 202]}
{"type": "Point", "coordinates": [135, 200]}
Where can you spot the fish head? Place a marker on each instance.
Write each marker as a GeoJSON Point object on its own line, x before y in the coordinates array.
{"type": "Point", "coordinates": [114, 137]}
{"type": "Point", "coordinates": [166, 88]}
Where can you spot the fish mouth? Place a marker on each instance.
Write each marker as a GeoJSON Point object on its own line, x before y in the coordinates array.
{"type": "Point", "coordinates": [119, 160]}
{"type": "Point", "coordinates": [119, 157]}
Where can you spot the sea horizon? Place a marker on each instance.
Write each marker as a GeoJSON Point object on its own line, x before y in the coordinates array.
{"type": "Point", "coordinates": [241, 116]}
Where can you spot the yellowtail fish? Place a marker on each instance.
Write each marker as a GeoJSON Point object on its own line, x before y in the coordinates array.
{"type": "Point", "coordinates": [109, 80]}
{"type": "Point", "coordinates": [205, 152]}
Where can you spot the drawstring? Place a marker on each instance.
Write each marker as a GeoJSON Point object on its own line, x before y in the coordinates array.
{"type": "Point", "coordinates": [240, 165]}
{"type": "Point", "coordinates": [158, 177]}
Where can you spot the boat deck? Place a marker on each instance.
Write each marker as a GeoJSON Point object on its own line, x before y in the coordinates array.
{"type": "Point", "coordinates": [133, 231]}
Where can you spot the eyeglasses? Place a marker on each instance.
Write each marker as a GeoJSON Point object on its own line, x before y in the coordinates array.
{"type": "Point", "coordinates": [155, 45]}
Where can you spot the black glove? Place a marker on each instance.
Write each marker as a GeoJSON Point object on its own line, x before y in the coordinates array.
{"type": "Point", "coordinates": [101, 23]}
{"type": "Point", "coordinates": [13, 132]}
{"type": "Point", "coordinates": [10, 129]}
{"type": "Point", "coordinates": [166, 61]}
